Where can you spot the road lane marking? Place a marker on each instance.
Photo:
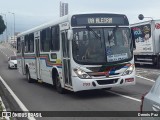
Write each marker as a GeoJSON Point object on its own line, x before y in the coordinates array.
{"type": "Point", "coordinates": [132, 98]}
{"type": "Point", "coordinates": [125, 96]}
{"type": "Point", "coordinates": [2, 104]}
{"type": "Point", "coordinates": [11, 49]}
{"type": "Point", "coordinates": [3, 52]}
{"type": "Point", "coordinates": [8, 49]}
{"type": "Point", "coordinates": [21, 105]}
{"type": "Point", "coordinates": [3, 109]}
{"type": "Point", "coordinates": [141, 71]}
{"type": "Point", "coordinates": [145, 70]}
{"type": "Point", "coordinates": [145, 78]}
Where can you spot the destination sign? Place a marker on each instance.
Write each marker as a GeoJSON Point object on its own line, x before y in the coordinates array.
{"type": "Point", "coordinates": [99, 20]}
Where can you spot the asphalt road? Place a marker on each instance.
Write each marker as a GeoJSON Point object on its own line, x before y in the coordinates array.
{"type": "Point", "coordinates": [42, 97]}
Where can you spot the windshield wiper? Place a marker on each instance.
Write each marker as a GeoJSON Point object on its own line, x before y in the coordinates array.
{"type": "Point", "coordinates": [90, 29]}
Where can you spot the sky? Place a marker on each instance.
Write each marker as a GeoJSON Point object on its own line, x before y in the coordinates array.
{"type": "Point", "coordinates": [31, 13]}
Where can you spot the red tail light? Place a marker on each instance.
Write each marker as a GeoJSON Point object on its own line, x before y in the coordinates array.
{"type": "Point", "coordinates": [142, 99]}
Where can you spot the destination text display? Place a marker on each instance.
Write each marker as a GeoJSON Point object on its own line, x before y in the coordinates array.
{"type": "Point", "coordinates": [99, 20]}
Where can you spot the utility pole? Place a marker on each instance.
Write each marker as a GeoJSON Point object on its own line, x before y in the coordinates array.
{"type": "Point", "coordinates": [14, 24]}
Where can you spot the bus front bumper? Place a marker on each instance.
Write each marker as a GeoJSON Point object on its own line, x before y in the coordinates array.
{"type": "Point", "coordinates": [90, 84]}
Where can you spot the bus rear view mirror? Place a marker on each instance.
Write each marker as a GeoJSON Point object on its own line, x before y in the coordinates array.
{"type": "Point", "coordinates": [133, 39]}
{"type": "Point", "coordinates": [70, 35]}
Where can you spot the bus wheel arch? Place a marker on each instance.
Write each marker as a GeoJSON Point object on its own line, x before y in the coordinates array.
{"type": "Point", "coordinates": [56, 81]}
{"type": "Point", "coordinates": [28, 76]}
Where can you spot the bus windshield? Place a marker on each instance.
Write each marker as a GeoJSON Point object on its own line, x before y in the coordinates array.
{"type": "Point", "coordinates": [101, 45]}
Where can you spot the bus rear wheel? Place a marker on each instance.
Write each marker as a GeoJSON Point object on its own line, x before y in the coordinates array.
{"type": "Point", "coordinates": [59, 86]}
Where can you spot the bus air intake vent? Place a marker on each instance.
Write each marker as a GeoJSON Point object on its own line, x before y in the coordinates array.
{"type": "Point", "coordinates": [104, 82]}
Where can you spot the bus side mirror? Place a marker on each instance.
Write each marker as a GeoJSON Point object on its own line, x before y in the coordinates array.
{"type": "Point", "coordinates": [133, 40]}
{"type": "Point", "coordinates": [70, 34]}
{"type": "Point", "coordinates": [134, 44]}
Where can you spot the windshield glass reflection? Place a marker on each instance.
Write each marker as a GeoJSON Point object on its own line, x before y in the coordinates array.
{"type": "Point", "coordinates": [101, 45]}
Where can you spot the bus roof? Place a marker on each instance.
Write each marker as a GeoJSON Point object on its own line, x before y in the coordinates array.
{"type": "Point", "coordinates": [59, 20]}
{"type": "Point", "coordinates": [48, 24]}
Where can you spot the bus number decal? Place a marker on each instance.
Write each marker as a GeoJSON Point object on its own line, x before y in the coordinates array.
{"type": "Point", "coordinates": [86, 84]}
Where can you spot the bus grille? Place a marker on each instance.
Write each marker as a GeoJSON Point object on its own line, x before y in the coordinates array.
{"type": "Point", "coordinates": [103, 82]}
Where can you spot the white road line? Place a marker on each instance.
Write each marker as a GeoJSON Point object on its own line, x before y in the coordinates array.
{"type": "Point", "coordinates": [3, 109]}
{"type": "Point", "coordinates": [10, 49]}
{"type": "Point", "coordinates": [132, 98]}
{"type": "Point", "coordinates": [141, 71]}
{"type": "Point", "coordinates": [3, 52]}
{"type": "Point", "coordinates": [145, 78]}
{"type": "Point", "coordinates": [3, 106]}
{"type": "Point", "coordinates": [21, 105]}
{"type": "Point", "coordinates": [125, 96]}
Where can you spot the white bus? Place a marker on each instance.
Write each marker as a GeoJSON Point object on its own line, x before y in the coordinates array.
{"type": "Point", "coordinates": [79, 52]}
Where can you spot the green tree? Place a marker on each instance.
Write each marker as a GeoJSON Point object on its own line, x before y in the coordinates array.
{"type": "Point", "coordinates": [2, 25]}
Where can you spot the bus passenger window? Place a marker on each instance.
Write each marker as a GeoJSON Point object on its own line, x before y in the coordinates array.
{"type": "Point", "coordinates": [55, 38]}
{"type": "Point", "coordinates": [26, 44]}
{"type": "Point", "coordinates": [18, 45]}
{"type": "Point", "coordinates": [31, 39]}
{"type": "Point", "coordinates": [45, 40]}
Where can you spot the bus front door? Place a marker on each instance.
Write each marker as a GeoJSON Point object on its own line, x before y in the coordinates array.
{"type": "Point", "coordinates": [22, 59]}
{"type": "Point", "coordinates": [37, 56]}
{"type": "Point", "coordinates": [66, 59]}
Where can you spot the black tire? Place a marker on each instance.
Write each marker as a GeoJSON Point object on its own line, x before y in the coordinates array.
{"type": "Point", "coordinates": [29, 79]}
{"type": "Point", "coordinates": [58, 85]}
{"type": "Point", "coordinates": [9, 67]}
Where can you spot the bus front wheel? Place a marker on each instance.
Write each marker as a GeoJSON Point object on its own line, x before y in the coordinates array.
{"type": "Point", "coordinates": [28, 76]}
{"type": "Point", "coordinates": [58, 86]}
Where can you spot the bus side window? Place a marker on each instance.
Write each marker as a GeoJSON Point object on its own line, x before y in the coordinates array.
{"type": "Point", "coordinates": [45, 40]}
{"type": "Point", "coordinates": [18, 45]}
{"type": "Point", "coordinates": [55, 38]}
{"type": "Point", "coordinates": [31, 45]}
{"type": "Point", "coordinates": [26, 44]}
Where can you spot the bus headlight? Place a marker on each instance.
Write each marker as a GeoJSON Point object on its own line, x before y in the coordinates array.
{"type": "Point", "coordinates": [129, 70]}
{"type": "Point", "coordinates": [81, 74]}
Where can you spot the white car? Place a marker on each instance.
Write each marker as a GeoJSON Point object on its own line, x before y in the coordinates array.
{"type": "Point", "coordinates": [12, 62]}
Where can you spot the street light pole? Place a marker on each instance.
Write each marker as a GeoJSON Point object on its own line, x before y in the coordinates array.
{"type": "Point", "coordinates": [14, 24]}
{"type": "Point", "coordinates": [141, 17]}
